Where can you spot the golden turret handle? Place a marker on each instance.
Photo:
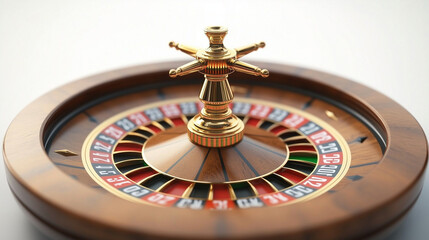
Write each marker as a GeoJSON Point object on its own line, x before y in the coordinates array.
{"type": "Point", "coordinates": [216, 125]}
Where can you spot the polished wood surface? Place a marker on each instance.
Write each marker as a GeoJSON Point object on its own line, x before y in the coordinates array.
{"type": "Point", "coordinates": [175, 140]}
{"type": "Point", "coordinates": [377, 190]}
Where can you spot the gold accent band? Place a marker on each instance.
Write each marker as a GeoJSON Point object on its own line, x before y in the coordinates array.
{"type": "Point", "coordinates": [92, 136]}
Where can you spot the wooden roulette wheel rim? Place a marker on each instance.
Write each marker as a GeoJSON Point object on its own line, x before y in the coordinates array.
{"type": "Point", "coordinates": [71, 209]}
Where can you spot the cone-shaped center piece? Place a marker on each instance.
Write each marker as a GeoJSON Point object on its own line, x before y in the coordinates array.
{"type": "Point", "coordinates": [260, 153]}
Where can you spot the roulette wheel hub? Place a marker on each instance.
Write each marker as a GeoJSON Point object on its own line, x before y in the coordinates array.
{"type": "Point", "coordinates": [216, 125]}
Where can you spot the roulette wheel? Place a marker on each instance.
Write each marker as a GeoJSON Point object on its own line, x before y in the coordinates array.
{"type": "Point", "coordinates": [296, 154]}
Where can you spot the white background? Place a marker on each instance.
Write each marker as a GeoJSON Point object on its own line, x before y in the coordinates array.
{"type": "Point", "coordinates": [46, 43]}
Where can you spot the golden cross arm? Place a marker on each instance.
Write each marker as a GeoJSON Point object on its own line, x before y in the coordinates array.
{"type": "Point", "coordinates": [216, 56]}
{"type": "Point", "coordinates": [216, 125]}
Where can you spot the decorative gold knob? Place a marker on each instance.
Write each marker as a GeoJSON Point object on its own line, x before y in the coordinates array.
{"type": "Point", "coordinates": [215, 125]}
